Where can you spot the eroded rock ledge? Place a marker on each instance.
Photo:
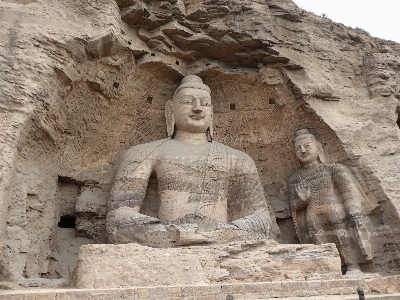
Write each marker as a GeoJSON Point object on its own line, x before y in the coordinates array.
{"type": "Point", "coordinates": [133, 265]}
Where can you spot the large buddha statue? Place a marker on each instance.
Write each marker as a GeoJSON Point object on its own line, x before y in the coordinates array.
{"type": "Point", "coordinates": [206, 190]}
{"type": "Point", "coordinates": [327, 204]}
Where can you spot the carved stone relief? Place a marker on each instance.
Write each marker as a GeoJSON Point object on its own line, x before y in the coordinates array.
{"type": "Point", "coordinates": [328, 205]}
{"type": "Point", "coordinates": [79, 94]}
{"type": "Point", "coordinates": [201, 185]}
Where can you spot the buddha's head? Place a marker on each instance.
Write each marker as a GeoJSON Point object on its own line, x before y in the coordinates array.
{"type": "Point", "coordinates": [190, 109]}
{"type": "Point", "coordinates": [308, 149]}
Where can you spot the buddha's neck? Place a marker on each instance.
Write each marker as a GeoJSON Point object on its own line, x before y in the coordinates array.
{"type": "Point", "coordinates": [311, 164]}
{"type": "Point", "coordinates": [190, 138]}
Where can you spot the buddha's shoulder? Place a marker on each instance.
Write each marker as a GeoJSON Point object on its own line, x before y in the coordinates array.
{"type": "Point", "coordinates": [143, 150]}
{"type": "Point", "coordinates": [218, 147]}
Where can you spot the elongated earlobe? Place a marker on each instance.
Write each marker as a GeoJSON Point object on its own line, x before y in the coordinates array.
{"type": "Point", "coordinates": [169, 118]}
{"type": "Point", "coordinates": [212, 125]}
{"type": "Point", "coordinates": [321, 152]}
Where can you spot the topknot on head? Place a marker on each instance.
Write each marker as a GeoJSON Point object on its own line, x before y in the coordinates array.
{"type": "Point", "coordinates": [303, 131]}
{"type": "Point", "coordinates": [192, 81]}
{"type": "Point", "coordinates": [191, 78]}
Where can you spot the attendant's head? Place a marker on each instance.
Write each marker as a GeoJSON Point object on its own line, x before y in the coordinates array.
{"type": "Point", "coordinates": [191, 108]}
{"type": "Point", "coordinates": [308, 149]}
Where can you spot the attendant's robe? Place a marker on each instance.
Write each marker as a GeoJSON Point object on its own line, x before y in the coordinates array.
{"type": "Point", "coordinates": [326, 214]}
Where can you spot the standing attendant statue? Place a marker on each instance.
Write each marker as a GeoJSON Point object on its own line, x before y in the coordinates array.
{"type": "Point", "coordinates": [327, 205]}
{"type": "Point", "coordinates": [203, 186]}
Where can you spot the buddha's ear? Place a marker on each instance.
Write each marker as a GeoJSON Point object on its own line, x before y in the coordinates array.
{"type": "Point", "coordinates": [212, 124]}
{"type": "Point", "coordinates": [321, 155]}
{"type": "Point", "coordinates": [169, 118]}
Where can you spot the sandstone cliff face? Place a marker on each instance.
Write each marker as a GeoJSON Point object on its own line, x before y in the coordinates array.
{"type": "Point", "coordinates": [83, 81]}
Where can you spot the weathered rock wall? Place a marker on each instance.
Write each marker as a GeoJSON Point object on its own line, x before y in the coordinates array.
{"type": "Point", "coordinates": [33, 48]}
{"type": "Point", "coordinates": [82, 81]}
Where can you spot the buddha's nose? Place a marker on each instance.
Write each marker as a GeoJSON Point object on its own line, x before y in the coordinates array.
{"type": "Point", "coordinates": [197, 107]}
{"type": "Point", "coordinates": [302, 149]}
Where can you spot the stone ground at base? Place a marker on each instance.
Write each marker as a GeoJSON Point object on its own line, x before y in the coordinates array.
{"type": "Point", "coordinates": [342, 297]}
{"type": "Point", "coordinates": [42, 295]}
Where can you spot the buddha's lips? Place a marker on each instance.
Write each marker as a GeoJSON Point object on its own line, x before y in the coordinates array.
{"type": "Point", "coordinates": [196, 117]}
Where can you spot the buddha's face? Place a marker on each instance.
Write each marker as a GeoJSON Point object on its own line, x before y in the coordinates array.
{"type": "Point", "coordinates": [306, 149]}
{"type": "Point", "coordinates": [192, 110]}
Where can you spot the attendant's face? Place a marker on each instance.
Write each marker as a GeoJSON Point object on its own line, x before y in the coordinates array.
{"type": "Point", "coordinates": [306, 149]}
{"type": "Point", "coordinates": [192, 110]}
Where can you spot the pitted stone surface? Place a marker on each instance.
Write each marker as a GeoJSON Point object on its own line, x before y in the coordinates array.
{"type": "Point", "coordinates": [116, 266]}
{"type": "Point", "coordinates": [82, 82]}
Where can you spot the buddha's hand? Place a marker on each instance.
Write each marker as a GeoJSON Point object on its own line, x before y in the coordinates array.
{"type": "Point", "coordinates": [303, 190]}
{"type": "Point", "coordinates": [187, 235]}
{"type": "Point", "coordinates": [125, 225]}
{"type": "Point", "coordinates": [125, 216]}
{"type": "Point", "coordinates": [354, 211]}
{"type": "Point", "coordinates": [229, 226]}
{"type": "Point", "coordinates": [355, 215]}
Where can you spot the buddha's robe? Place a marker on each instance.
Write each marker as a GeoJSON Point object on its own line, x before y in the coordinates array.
{"type": "Point", "coordinates": [205, 184]}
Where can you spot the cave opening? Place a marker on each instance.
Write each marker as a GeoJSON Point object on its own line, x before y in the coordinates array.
{"type": "Point", "coordinates": [67, 222]}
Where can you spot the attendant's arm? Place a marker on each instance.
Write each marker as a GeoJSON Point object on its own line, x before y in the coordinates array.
{"type": "Point", "coordinates": [299, 194]}
{"type": "Point", "coordinates": [343, 182]}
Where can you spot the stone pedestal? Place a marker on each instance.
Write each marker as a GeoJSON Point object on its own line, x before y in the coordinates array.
{"type": "Point", "coordinates": [133, 265]}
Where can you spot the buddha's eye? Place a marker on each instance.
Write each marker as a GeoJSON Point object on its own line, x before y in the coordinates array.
{"type": "Point", "coordinates": [185, 101]}
{"type": "Point", "coordinates": [206, 102]}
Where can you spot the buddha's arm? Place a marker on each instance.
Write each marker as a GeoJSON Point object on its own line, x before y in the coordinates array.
{"type": "Point", "coordinates": [248, 206]}
{"type": "Point", "coordinates": [126, 198]}
{"type": "Point", "coordinates": [130, 183]}
{"type": "Point", "coordinates": [124, 222]}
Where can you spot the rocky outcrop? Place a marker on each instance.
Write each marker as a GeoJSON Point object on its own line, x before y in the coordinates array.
{"type": "Point", "coordinates": [83, 82]}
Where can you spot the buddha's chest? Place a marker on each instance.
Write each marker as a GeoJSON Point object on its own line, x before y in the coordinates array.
{"type": "Point", "coordinates": [184, 154]}
{"type": "Point", "coordinates": [191, 169]}
{"type": "Point", "coordinates": [191, 176]}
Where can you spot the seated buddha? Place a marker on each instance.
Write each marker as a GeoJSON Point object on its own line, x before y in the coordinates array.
{"type": "Point", "coordinates": [207, 191]}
